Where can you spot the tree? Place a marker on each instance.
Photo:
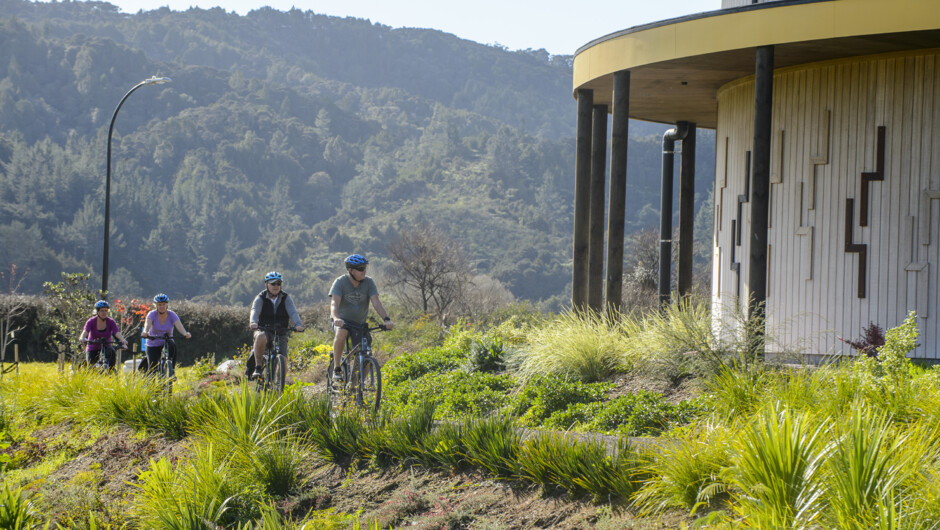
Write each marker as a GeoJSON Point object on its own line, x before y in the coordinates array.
{"type": "Point", "coordinates": [12, 307]}
{"type": "Point", "coordinates": [431, 271]}
{"type": "Point", "coordinates": [72, 304]}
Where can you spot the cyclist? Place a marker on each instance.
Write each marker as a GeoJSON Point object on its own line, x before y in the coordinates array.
{"type": "Point", "coordinates": [160, 321]}
{"type": "Point", "coordinates": [349, 303]}
{"type": "Point", "coordinates": [272, 307]}
{"type": "Point", "coordinates": [101, 326]}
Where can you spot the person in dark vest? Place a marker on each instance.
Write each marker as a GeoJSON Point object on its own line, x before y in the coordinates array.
{"type": "Point", "coordinates": [272, 307]}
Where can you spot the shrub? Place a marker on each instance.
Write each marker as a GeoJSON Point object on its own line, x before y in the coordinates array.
{"type": "Point", "coordinates": [415, 365]}
{"type": "Point", "coordinates": [541, 396]}
{"type": "Point", "coordinates": [640, 414]}
{"type": "Point", "coordinates": [455, 393]}
{"type": "Point", "coordinates": [486, 356]}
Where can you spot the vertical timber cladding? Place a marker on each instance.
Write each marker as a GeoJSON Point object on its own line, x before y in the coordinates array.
{"type": "Point", "coordinates": [857, 137]}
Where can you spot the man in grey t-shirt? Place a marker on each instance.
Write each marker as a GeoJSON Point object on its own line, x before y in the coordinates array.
{"type": "Point", "coordinates": [349, 302]}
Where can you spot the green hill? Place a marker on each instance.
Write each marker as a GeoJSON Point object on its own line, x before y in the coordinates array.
{"type": "Point", "coordinates": [285, 141]}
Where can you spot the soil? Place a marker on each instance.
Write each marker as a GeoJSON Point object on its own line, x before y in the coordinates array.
{"type": "Point", "coordinates": [398, 497]}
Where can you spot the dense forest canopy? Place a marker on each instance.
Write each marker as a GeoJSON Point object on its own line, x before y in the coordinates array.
{"type": "Point", "coordinates": [285, 141]}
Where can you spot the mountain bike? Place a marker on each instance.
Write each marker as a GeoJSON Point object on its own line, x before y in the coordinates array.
{"type": "Point", "coordinates": [275, 362]}
{"type": "Point", "coordinates": [166, 366]}
{"type": "Point", "coordinates": [362, 377]}
{"type": "Point", "coordinates": [106, 360]}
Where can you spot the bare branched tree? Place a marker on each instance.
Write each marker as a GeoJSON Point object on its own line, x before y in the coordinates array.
{"type": "Point", "coordinates": [431, 270]}
{"type": "Point", "coordinates": [12, 307]}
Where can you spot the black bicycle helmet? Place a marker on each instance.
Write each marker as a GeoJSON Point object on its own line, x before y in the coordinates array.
{"type": "Point", "coordinates": [355, 260]}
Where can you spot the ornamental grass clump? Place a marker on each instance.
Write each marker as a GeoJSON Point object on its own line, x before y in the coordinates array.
{"type": "Point", "coordinates": [582, 346]}
{"type": "Point", "coordinates": [199, 492]}
{"type": "Point", "coordinates": [492, 444]}
{"type": "Point", "coordinates": [400, 439]}
{"type": "Point", "coordinates": [583, 468]}
{"type": "Point", "coordinates": [17, 511]}
{"type": "Point", "coordinates": [777, 470]}
{"type": "Point", "coordinates": [868, 464]}
{"type": "Point", "coordinates": [685, 474]}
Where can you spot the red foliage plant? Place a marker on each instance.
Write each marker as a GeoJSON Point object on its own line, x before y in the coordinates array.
{"type": "Point", "coordinates": [873, 337]}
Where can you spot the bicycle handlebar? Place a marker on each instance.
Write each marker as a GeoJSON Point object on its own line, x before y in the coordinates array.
{"type": "Point", "coordinates": [104, 342]}
{"type": "Point", "coordinates": [275, 329]}
{"type": "Point", "coordinates": [364, 327]}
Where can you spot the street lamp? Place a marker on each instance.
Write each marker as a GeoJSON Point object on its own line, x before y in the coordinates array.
{"type": "Point", "coordinates": [107, 187]}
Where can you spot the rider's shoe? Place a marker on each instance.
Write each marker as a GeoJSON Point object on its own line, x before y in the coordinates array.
{"type": "Point", "coordinates": [257, 374]}
{"type": "Point", "coordinates": [338, 379]}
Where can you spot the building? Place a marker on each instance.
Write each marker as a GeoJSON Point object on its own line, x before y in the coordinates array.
{"type": "Point", "coordinates": [827, 178]}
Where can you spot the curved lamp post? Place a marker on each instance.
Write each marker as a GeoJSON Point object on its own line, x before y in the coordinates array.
{"type": "Point", "coordinates": [107, 187]}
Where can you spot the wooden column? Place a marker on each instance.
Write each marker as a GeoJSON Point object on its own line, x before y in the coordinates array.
{"type": "Point", "coordinates": [616, 211]}
{"type": "Point", "coordinates": [760, 184]}
{"type": "Point", "coordinates": [686, 211]}
{"type": "Point", "coordinates": [582, 201]}
{"type": "Point", "coordinates": [598, 178]}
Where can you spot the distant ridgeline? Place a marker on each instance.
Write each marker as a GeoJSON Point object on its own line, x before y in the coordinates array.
{"type": "Point", "coordinates": [286, 141]}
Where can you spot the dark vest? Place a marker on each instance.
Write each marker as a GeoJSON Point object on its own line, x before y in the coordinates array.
{"type": "Point", "coordinates": [268, 316]}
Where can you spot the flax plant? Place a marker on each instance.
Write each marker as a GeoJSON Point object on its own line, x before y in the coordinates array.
{"type": "Point", "coordinates": [401, 438]}
{"type": "Point", "coordinates": [583, 468]}
{"type": "Point", "coordinates": [868, 463]}
{"type": "Point", "coordinates": [777, 470]}
{"type": "Point", "coordinates": [443, 447]}
{"type": "Point", "coordinates": [241, 419]}
{"type": "Point", "coordinates": [17, 511]}
{"type": "Point", "coordinates": [492, 444]}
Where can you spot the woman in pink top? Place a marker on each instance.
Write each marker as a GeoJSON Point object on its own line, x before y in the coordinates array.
{"type": "Point", "coordinates": [159, 322]}
{"type": "Point", "coordinates": [101, 327]}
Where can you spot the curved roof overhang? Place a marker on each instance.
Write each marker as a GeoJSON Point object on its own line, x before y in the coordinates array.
{"type": "Point", "coordinates": [677, 66]}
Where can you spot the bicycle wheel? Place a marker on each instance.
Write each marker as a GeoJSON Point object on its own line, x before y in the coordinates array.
{"type": "Point", "coordinates": [278, 373]}
{"type": "Point", "coordinates": [369, 392]}
{"type": "Point", "coordinates": [334, 394]}
{"type": "Point", "coordinates": [167, 372]}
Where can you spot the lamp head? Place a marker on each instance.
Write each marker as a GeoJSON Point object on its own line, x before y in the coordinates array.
{"type": "Point", "coordinates": [157, 80]}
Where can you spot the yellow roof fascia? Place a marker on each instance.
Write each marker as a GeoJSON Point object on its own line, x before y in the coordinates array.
{"type": "Point", "coordinates": [746, 29]}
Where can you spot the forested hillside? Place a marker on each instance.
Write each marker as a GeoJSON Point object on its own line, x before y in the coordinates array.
{"type": "Point", "coordinates": [285, 141]}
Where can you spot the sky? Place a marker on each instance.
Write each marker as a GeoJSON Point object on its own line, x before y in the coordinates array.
{"type": "Point", "coordinates": [560, 27]}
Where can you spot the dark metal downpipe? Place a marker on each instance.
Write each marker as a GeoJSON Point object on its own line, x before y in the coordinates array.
{"type": "Point", "coordinates": [678, 132]}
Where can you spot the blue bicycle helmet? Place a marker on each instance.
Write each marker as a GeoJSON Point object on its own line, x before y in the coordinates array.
{"type": "Point", "coordinates": [272, 276]}
{"type": "Point", "coordinates": [161, 298]}
{"type": "Point", "coordinates": [355, 260]}
{"type": "Point", "coordinates": [102, 304]}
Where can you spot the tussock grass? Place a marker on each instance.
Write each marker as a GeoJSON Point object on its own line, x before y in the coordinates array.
{"type": "Point", "coordinates": [197, 493]}
{"type": "Point", "coordinates": [578, 345]}
{"type": "Point", "coordinates": [686, 474]}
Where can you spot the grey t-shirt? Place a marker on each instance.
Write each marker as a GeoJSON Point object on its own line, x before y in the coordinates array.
{"type": "Point", "coordinates": [354, 301]}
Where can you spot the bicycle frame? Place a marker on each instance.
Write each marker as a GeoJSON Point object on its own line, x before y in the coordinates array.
{"type": "Point", "coordinates": [166, 366]}
{"type": "Point", "coordinates": [102, 364]}
{"type": "Point", "coordinates": [362, 375]}
{"type": "Point", "coordinates": [275, 362]}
